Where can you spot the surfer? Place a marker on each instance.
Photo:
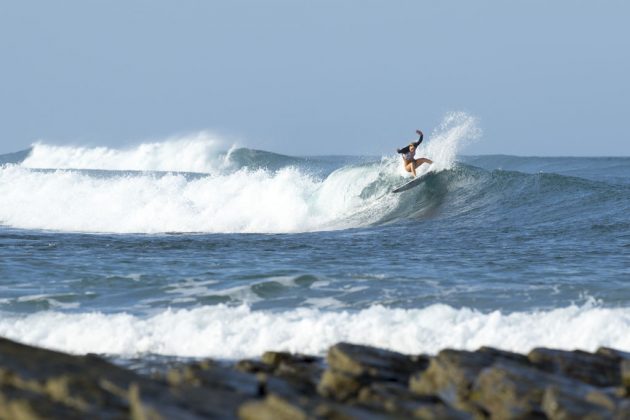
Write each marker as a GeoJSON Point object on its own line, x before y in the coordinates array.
{"type": "Point", "coordinates": [410, 162]}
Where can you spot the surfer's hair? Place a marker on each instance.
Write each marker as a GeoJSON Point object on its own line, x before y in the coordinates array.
{"type": "Point", "coordinates": [411, 144]}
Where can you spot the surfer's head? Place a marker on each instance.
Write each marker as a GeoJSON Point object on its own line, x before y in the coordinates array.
{"type": "Point", "coordinates": [412, 146]}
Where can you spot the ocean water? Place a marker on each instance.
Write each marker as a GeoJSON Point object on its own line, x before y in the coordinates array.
{"type": "Point", "coordinates": [188, 248]}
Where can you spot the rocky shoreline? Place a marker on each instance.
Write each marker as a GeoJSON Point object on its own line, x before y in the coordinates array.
{"type": "Point", "coordinates": [351, 382]}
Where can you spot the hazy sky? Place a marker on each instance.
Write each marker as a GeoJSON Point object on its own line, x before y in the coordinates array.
{"type": "Point", "coordinates": [317, 77]}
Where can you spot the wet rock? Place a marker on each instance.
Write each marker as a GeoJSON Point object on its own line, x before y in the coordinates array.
{"type": "Point", "coordinates": [590, 368]}
{"type": "Point", "coordinates": [23, 404]}
{"type": "Point", "coordinates": [513, 390]}
{"type": "Point", "coordinates": [353, 366]}
{"type": "Point", "coordinates": [613, 353]}
{"type": "Point", "coordinates": [215, 377]}
{"type": "Point", "coordinates": [399, 401]}
{"type": "Point", "coordinates": [359, 382]}
{"type": "Point", "coordinates": [625, 376]}
{"type": "Point", "coordinates": [561, 405]}
{"type": "Point", "coordinates": [623, 410]}
{"type": "Point", "coordinates": [379, 364]}
{"type": "Point", "coordinates": [276, 359]}
{"type": "Point", "coordinates": [451, 375]}
{"type": "Point", "coordinates": [86, 384]}
{"type": "Point", "coordinates": [276, 407]}
{"type": "Point", "coordinates": [38, 383]}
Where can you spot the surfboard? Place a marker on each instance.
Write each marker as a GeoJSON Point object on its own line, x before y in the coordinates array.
{"type": "Point", "coordinates": [409, 185]}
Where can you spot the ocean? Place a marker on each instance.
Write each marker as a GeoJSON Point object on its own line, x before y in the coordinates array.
{"type": "Point", "coordinates": [187, 247]}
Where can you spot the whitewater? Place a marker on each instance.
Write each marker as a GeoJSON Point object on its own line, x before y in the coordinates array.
{"type": "Point", "coordinates": [193, 247]}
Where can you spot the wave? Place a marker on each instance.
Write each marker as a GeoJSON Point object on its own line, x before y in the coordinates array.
{"type": "Point", "coordinates": [193, 153]}
{"type": "Point", "coordinates": [237, 332]}
{"type": "Point", "coordinates": [242, 190]}
{"type": "Point", "coordinates": [245, 190]}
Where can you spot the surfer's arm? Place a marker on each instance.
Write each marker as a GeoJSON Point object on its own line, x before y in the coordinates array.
{"type": "Point", "coordinates": [403, 150]}
{"type": "Point", "coordinates": [421, 134]}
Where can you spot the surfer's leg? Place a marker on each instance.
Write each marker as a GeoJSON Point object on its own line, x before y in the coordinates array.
{"type": "Point", "coordinates": [421, 161]}
{"type": "Point", "coordinates": [411, 167]}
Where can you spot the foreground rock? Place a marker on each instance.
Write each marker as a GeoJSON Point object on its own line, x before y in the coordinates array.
{"type": "Point", "coordinates": [352, 382]}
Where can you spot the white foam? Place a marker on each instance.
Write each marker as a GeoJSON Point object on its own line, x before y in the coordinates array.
{"type": "Point", "coordinates": [236, 332]}
{"type": "Point", "coordinates": [242, 201]}
{"type": "Point", "coordinates": [225, 200]}
{"type": "Point", "coordinates": [193, 153]}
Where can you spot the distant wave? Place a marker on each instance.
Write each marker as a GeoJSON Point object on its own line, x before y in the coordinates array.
{"type": "Point", "coordinates": [236, 332]}
{"type": "Point", "coordinates": [194, 153]}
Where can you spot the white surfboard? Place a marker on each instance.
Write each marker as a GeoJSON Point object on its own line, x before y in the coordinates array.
{"type": "Point", "coordinates": [404, 187]}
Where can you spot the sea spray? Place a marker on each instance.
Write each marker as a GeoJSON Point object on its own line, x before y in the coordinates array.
{"type": "Point", "coordinates": [193, 153]}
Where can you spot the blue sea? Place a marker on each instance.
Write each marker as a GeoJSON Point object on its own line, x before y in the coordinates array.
{"type": "Point", "coordinates": [189, 247]}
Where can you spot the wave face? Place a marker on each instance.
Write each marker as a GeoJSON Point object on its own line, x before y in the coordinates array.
{"type": "Point", "coordinates": [237, 332]}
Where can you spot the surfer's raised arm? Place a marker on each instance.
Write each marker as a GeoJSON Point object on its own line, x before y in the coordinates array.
{"type": "Point", "coordinates": [421, 134]}
{"type": "Point", "coordinates": [415, 145]}
{"type": "Point", "coordinates": [410, 162]}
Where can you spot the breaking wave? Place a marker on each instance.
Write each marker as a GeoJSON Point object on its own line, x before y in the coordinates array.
{"type": "Point", "coordinates": [236, 332]}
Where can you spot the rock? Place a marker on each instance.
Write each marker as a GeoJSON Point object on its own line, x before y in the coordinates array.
{"type": "Point", "coordinates": [623, 410]}
{"type": "Point", "coordinates": [451, 375]}
{"type": "Point", "coordinates": [625, 375]}
{"type": "Point", "coordinates": [353, 366]}
{"type": "Point", "coordinates": [593, 369]}
{"type": "Point", "coordinates": [561, 405]}
{"type": "Point", "coordinates": [399, 401]}
{"type": "Point", "coordinates": [40, 383]}
{"type": "Point", "coordinates": [276, 407]}
{"type": "Point", "coordinates": [214, 377]}
{"type": "Point", "coordinates": [339, 385]}
{"type": "Point", "coordinates": [23, 404]}
{"type": "Point", "coordinates": [83, 384]}
{"type": "Point", "coordinates": [275, 359]}
{"type": "Point", "coordinates": [613, 354]}
{"type": "Point", "coordinates": [360, 382]}
{"type": "Point", "coordinates": [379, 364]}
{"type": "Point", "coordinates": [514, 390]}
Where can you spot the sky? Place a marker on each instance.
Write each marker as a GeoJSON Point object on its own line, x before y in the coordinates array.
{"type": "Point", "coordinates": [303, 77]}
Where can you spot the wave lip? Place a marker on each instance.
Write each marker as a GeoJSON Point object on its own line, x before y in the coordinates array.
{"type": "Point", "coordinates": [237, 332]}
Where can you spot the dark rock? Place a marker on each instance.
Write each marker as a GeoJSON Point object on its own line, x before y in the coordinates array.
{"type": "Point", "coordinates": [613, 353]}
{"type": "Point", "coordinates": [276, 407]}
{"type": "Point", "coordinates": [451, 375]}
{"type": "Point", "coordinates": [86, 384]}
{"type": "Point", "coordinates": [623, 410]}
{"type": "Point", "coordinates": [382, 365]}
{"type": "Point", "coordinates": [514, 390]}
{"type": "Point", "coordinates": [253, 366]}
{"type": "Point", "coordinates": [63, 386]}
{"type": "Point", "coordinates": [594, 369]}
{"type": "Point", "coordinates": [561, 405]}
{"type": "Point", "coordinates": [498, 354]}
{"type": "Point", "coordinates": [398, 400]}
{"type": "Point", "coordinates": [213, 376]}
{"type": "Point", "coordinates": [360, 382]}
{"type": "Point", "coordinates": [340, 385]}
{"type": "Point", "coordinates": [352, 367]}
{"type": "Point", "coordinates": [24, 404]}
{"type": "Point", "coordinates": [275, 359]}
